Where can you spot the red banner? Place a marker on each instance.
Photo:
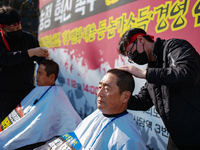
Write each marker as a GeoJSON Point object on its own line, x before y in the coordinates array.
{"type": "Point", "coordinates": [83, 35]}
{"type": "Point", "coordinates": [98, 35]}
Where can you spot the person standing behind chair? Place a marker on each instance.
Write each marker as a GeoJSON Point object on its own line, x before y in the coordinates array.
{"type": "Point", "coordinates": [18, 51]}
{"type": "Point", "coordinates": [172, 84]}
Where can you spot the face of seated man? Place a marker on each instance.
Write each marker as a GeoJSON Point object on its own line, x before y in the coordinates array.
{"type": "Point", "coordinates": [42, 79]}
{"type": "Point", "coordinates": [109, 99]}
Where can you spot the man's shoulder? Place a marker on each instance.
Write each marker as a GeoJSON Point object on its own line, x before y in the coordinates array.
{"type": "Point", "coordinates": [126, 121]}
{"type": "Point", "coordinates": [28, 35]}
{"type": "Point", "coordinates": [93, 118]}
{"type": "Point", "coordinates": [94, 114]}
{"type": "Point", "coordinates": [175, 42]}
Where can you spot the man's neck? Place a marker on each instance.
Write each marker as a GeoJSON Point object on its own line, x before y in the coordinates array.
{"type": "Point", "coordinates": [114, 115]}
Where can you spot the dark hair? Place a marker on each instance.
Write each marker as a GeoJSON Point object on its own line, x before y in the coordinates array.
{"type": "Point", "coordinates": [125, 80]}
{"type": "Point", "coordinates": [51, 67]}
{"type": "Point", "coordinates": [126, 38]}
{"type": "Point", "coordinates": [9, 15]}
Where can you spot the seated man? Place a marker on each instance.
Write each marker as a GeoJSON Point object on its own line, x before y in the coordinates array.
{"type": "Point", "coordinates": [110, 127]}
{"type": "Point", "coordinates": [44, 113]}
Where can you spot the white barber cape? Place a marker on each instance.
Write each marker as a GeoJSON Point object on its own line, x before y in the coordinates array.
{"type": "Point", "coordinates": [52, 115]}
{"type": "Point", "coordinates": [120, 134]}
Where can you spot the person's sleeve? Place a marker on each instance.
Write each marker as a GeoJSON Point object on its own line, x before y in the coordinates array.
{"type": "Point", "coordinates": [142, 101]}
{"type": "Point", "coordinates": [39, 59]}
{"type": "Point", "coordinates": [182, 68]}
{"type": "Point", "coordinates": [36, 44]}
{"type": "Point", "coordinates": [8, 58]}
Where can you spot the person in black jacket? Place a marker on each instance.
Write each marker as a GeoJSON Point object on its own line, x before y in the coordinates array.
{"type": "Point", "coordinates": [18, 51]}
{"type": "Point", "coordinates": [172, 83]}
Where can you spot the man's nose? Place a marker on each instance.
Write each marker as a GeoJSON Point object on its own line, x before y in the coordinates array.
{"type": "Point", "coordinates": [100, 92]}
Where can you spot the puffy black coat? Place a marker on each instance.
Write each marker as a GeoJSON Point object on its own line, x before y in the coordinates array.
{"type": "Point", "coordinates": [173, 87]}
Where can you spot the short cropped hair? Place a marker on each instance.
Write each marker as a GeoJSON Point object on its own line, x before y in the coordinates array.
{"type": "Point", "coordinates": [51, 67]}
{"type": "Point", "coordinates": [126, 38]}
{"type": "Point", "coordinates": [125, 80]}
{"type": "Point", "coordinates": [9, 15]}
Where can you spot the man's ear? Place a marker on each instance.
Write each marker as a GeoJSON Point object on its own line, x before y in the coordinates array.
{"type": "Point", "coordinates": [52, 77]}
{"type": "Point", "coordinates": [126, 96]}
{"type": "Point", "coordinates": [140, 38]}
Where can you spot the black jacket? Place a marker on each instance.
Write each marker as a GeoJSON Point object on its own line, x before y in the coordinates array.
{"type": "Point", "coordinates": [173, 87]}
{"type": "Point", "coordinates": [16, 67]}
